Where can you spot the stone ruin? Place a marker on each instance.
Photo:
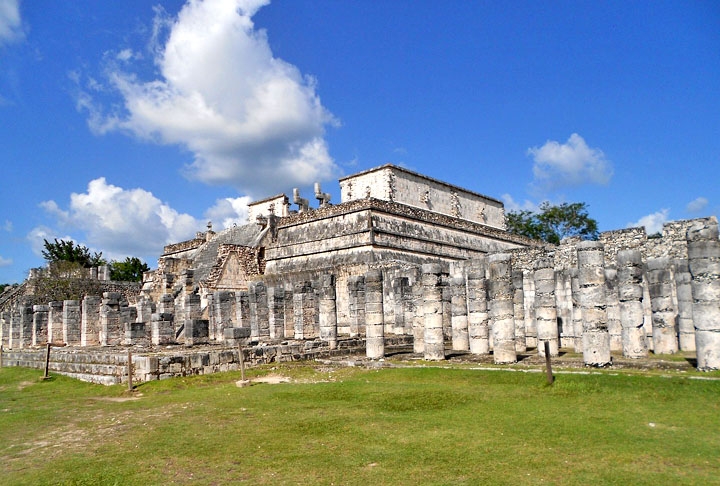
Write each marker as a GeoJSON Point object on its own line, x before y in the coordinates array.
{"type": "Point", "coordinates": [403, 261]}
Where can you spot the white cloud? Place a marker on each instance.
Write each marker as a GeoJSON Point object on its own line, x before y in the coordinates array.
{"type": "Point", "coordinates": [5, 262]}
{"type": "Point", "coordinates": [697, 205]}
{"type": "Point", "coordinates": [119, 222]}
{"type": "Point", "coordinates": [229, 211]}
{"type": "Point", "coordinates": [569, 164]}
{"type": "Point", "coordinates": [8, 226]}
{"type": "Point", "coordinates": [252, 121]}
{"type": "Point", "coordinates": [10, 22]}
{"type": "Point", "coordinates": [653, 223]}
{"type": "Point", "coordinates": [512, 205]}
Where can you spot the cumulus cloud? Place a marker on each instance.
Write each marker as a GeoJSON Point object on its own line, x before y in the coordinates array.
{"type": "Point", "coordinates": [252, 121]}
{"type": "Point", "coordinates": [5, 262]}
{"type": "Point", "coordinates": [653, 223]}
{"type": "Point", "coordinates": [229, 211]}
{"type": "Point", "coordinates": [10, 22]}
{"type": "Point", "coordinates": [512, 205]}
{"type": "Point", "coordinates": [569, 164]}
{"type": "Point", "coordinates": [120, 222]}
{"type": "Point", "coordinates": [696, 205]}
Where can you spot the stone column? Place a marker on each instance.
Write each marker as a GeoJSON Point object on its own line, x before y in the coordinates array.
{"type": "Point", "coordinates": [374, 315]}
{"type": "Point", "coordinates": [591, 279]}
{"type": "Point", "coordinates": [577, 320]}
{"type": "Point", "coordinates": [545, 310]}
{"type": "Point", "coordinates": [529, 309]}
{"type": "Point", "coordinates": [328, 311]}
{"type": "Point", "coordinates": [458, 307]}
{"type": "Point", "coordinates": [613, 309]}
{"type": "Point", "coordinates": [71, 322]}
{"type": "Point", "coordinates": [163, 329]}
{"type": "Point", "coordinates": [26, 324]}
{"type": "Point", "coordinates": [197, 331]}
{"type": "Point", "coordinates": [223, 310]}
{"type": "Point", "coordinates": [433, 336]}
{"type": "Point", "coordinates": [397, 285]}
{"type": "Point", "coordinates": [276, 306]}
{"type": "Point", "coordinates": [478, 321]}
{"type": "Point", "coordinates": [14, 339]}
{"type": "Point", "coordinates": [704, 259]}
{"type": "Point", "coordinates": [111, 329]}
{"type": "Point", "coordinates": [4, 328]}
{"type": "Point", "coordinates": [289, 312]}
{"type": "Point", "coordinates": [55, 332]}
{"type": "Point", "coordinates": [356, 304]}
{"type": "Point", "coordinates": [563, 304]}
{"type": "Point", "coordinates": [90, 321]}
{"type": "Point", "coordinates": [418, 326]}
{"type": "Point", "coordinates": [500, 295]}
{"type": "Point", "coordinates": [683, 287]}
{"type": "Point", "coordinates": [40, 324]}
{"type": "Point", "coordinates": [660, 286]}
{"type": "Point", "coordinates": [630, 293]}
{"type": "Point", "coordinates": [519, 311]}
{"type": "Point", "coordinates": [242, 309]}
{"type": "Point", "coordinates": [446, 299]}
{"type": "Point", "coordinates": [259, 312]}
{"type": "Point", "coordinates": [145, 308]}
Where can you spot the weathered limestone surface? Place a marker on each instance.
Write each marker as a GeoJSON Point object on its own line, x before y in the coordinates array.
{"type": "Point", "coordinates": [71, 322]}
{"type": "Point", "coordinates": [545, 309]}
{"type": "Point", "coordinates": [591, 279]}
{"type": "Point", "coordinates": [40, 324]}
{"type": "Point", "coordinates": [328, 311]}
{"type": "Point", "coordinates": [162, 330]}
{"type": "Point", "coordinates": [704, 258]}
{"type": "Point", "coordinates": [259, 315]}
{"type": "Point", "coordinates": [111, 330]}
{"type": "Point", "coordinates": [664, 314]}
{"type": "Point", "coordinates": [564, 304]}
{"type": "Point", "coordinates": [356, 304]}
{"type": "Point", "coordinates": [630, 294]}
{"type": "Point", "coordinates": [434, 338]}
{"type": "Point", "coordinates": [55, 332]}
{"type": "Point", "coordinates": [500, 295]}
{"type": "Point", "coordinates": [223, 313]}
{"type": "Point", "coordinates": [478, 319]}
{"type": "Point", "coordinates": [519, 310]}
{"type": "Point", "coordinates": [460, 339]}
{"type": "Point", "coordinates": [374, 315]}
{"type": "Point", "coordinates": [577, 320]}
{"type": "Point", "coordinates": [276, 318]}
{"type": "Point", "coordinates": [90, 320]}
{"type": "Point", "coordinates": [683, 289]}
{"type": "Point", "coordinates": [613, 309]}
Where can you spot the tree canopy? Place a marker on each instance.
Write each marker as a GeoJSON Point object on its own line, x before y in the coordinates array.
{"type": "Point", "coordinates": [129, 270]}
{"type": "Point", "coordinates": [553, 222]}
{"type": "Point", "coordinates": [69, 251]}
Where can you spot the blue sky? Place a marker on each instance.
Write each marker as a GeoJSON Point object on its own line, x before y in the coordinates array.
{"type": "Point", "coordinates": [127, 125]}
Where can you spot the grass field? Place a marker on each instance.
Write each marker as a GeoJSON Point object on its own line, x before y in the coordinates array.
{"type": "Point", "coordinates": [358, 426]}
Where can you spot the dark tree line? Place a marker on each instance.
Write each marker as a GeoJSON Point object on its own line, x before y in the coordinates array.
{"type": "Point", "coordinates": [553, 222]}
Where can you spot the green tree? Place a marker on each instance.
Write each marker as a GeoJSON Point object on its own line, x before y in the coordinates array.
{"type": "Point", "coordinates": [130, 270]}
{"type": "Point", "coordinates": [552, 223]}
{"type": "Point", "coordinates": [68, 251]}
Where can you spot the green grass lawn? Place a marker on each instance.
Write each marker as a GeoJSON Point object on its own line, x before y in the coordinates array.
{"type": "Point", "coordinates": [356, 426]}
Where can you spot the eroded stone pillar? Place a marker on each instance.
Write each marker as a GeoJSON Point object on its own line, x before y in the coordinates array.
{"type": "Point", "coordinates": [111, 329]}
{"type": "Point", "coordinates": [577, 321]}
{"type": "Point", "coordinates": [259, 312]}
{"type": "Point", "coordinates": [563, 304]}
{"type": "Point", "coordinates": [223, 312]}
{"type": "Point", "coordinates": [4, 328]}
{"type": "Point", "coordinates": [630, 294]}
{"type": "Point", "coordinates": [519, 311]}
{"type": "Point", "coordinates": [40, 324]}
{"type": "Point", "coordinates": [356, 304]}
{"type": "Point", "coordinates": [276, 318]}
{"type": "Point", "coordinates": [613, 309]}
{"type": "Point", "coordinates": [545, 310]}
{"type": "Point", "coordinates": [478, 320]}
{"type": "Point", "coordinates": [664, 315]}
{"type": "Point", "coordinates": [418, 327]}
{"type": "Point", "coordinates": [500, 295]}
{"type": "Point", "coordinates": [242, 309]}
{"type": "Point", "coordinates": [591, 280]}
{"type": "Point", "coordinates": [55, 332]}
{"type": "Point", "coordinates": [71, 322]}
{"type": "Point", "coordinates": [374, 315]}
{"type": "Point", "coordinates": [25, 322]}
{"type": "Point", "coordinates": [704, 260]}
{"type": "Point", "coordinates": [162, 331]}
{"type": "Point", "coordinates": [90, 321]}
{"type": "Point", "coordinates": [683, 287]}
{"type": "Point", "coordinates": [433, 336]}
{"type": "Point", "coordinates": [328, 310]}
{"type": "Point", "coordinates": [458, 307]}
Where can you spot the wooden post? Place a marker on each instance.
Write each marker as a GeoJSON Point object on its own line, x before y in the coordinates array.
{"type": "Point", "coordinates": [242, 362]}
{"type": "Point", "coordinates": [1, 355]}
{"type": "Point", "coordinates": [548, 366]}
{"type": "Point", "coordinates": [47, 363]}
{"type": "Point", "coordinates": [129, 359]}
